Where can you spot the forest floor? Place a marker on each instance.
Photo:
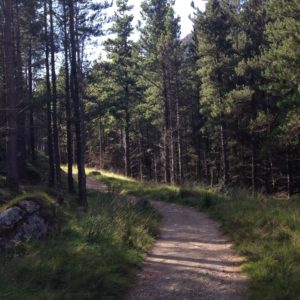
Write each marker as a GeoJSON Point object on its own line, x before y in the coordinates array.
{"type": "Point", "coordinates": [191, 258]}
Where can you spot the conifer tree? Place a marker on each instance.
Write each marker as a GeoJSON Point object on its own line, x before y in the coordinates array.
{"type": "Point", "coordinates": [216, 70]}
{"type": "Point", "coordinates": [119, 52]}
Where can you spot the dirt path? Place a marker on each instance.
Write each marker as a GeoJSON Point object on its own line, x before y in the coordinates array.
{"type": "Point", "coordinates": [96, 185]}
{"type": "Point", "coordinates": [190, 260]}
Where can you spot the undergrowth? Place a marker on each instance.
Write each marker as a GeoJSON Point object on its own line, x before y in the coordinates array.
{"type": "Point", "coordinates": [265, 229]}
{"type": "Point", "coordinates": [95, 254]}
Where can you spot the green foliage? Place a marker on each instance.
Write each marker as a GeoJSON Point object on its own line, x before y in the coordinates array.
{"type": "Point", "coordinates": [281, 61]}
{"type": "Point", "coordinates": [94, 256]}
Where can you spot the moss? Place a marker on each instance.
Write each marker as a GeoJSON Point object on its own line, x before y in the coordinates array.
{"type": "Point", "coordinates": [40, 197]}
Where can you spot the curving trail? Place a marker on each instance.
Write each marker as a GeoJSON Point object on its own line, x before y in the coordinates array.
{"type": "Point", "coordinates": [190, 260]}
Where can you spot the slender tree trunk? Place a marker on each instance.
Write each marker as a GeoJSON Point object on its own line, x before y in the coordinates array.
{"type": "Point", "coordinates": [141, 160]}
{"type": "Point", "coordinates": [54, 99]}
{"type": "Point", "coordinates": [51, 178]}
{"type": "Point", "coordinates": [225, 165]}
{"type": "Point", "coordinates": [100, 146]}
{"type": "Point", "coordinates": [12, 175]}
{"type": "Point", "coordinates": [21, 119]}
{"type": "Point", "coordinates": [178, 129]}
{"type": "Point", "coordinates": [31, 106]}
{"type": "Point", "coordinates": [171, 147]}
{"type": "Point", "coordinates": [127, 128]}
{"type": "Point", "coordinates": [77, 109]}
{"type": "Point", "coordinates": [166, 134]}
{"type": "Point", "coordinates": [68, 104]}
{"type": "Point", "coordinates": [288, 172]}
{"type": "Point", "coordinates": [253, 146]}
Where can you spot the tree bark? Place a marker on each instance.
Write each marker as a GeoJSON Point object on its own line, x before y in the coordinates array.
{"type": "Point", "coordinates": [54, 99]}
{"type": "Point", "coordinates": [166, 133]}
{"type": "Point", "coordinates": [68, 104]}
{"type": "Point", "coordinates": [77, 109]}
{"type": "Point", "coordinates": [12, 174]}
{"type": "Point", "coordinates": [127, 128]}
{"type": "Point", "coordinates": [31, 106]}
{"type": "Point", "coordinates": [51, 179]}
{"type": "Point", "coordinates": [225, 165]}
{"type": "Point", "coordinates": [21, 118]}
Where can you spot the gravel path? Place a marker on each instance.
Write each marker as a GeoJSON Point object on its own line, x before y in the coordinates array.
{"type": "Point", "coordinates": [190, 260]}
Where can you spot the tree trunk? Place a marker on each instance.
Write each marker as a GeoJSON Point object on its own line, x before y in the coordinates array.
{"type": "Point", "coordinates": [21, 118]}
{"type": "Point", "coordinates": [54, 100]}
{"type": "Point", "coordinates": [178, 129]}
{"type": "Point", "coordinates": [225, 165]}
{"type": "Point", "coordinates": [51, 179]}
{"type": "Point", "coordinates": [166, 134]}
{"type": "Point", "coordinates": [68, 104]}
{"type": "Point", "coordinates": [127, 128]}
{"type": "Point", "coordinates": [77, 109]}
{"type": "Point", "coordinates": [288, 173]}
{"type": "Point", "coordinates": [12, 175]}
{"type": "Point", "coordinates": [31, 107]}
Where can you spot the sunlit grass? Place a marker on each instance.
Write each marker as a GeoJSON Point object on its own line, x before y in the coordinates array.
{"type": "Point", "coordinates": [265, 229]}
{"type": "Point", "coordinates": [94, 255]}
{"type": "Point", "coordinates": [104, 172]}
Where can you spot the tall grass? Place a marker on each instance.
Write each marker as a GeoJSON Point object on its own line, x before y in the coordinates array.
{"type": "Point", "coordinates": [95, 256]}
{"type": "Point", "coordinates": [265, 229]}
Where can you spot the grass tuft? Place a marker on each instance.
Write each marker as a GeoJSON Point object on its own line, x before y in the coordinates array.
{"type": "Point", "coordinates": [94, 256]}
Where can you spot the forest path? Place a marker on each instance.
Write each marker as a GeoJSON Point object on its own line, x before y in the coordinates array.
{"type": "Point", "coordinates": [191, 259]}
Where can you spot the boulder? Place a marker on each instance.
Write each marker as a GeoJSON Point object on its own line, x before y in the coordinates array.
{"type": "Point", "coordinates": [29, 206]}
{"type": "Point", "coordinates": [10, 218]}
{"type": "Point", "coordinates": [22, 222]}
{"type": "Point", "coordinates": [35, 227]}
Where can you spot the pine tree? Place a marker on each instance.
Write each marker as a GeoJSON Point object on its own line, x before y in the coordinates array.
{"type": "Point", "coordinates": [281, 60]}
{"type": "Point", "coordinates": [216, 70]}
{"type": "Point", "coordinates": [119, 52]}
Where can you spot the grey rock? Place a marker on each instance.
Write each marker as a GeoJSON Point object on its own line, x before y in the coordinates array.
{"type": "Point", "coordinates": [10, 218]}
{"type": "Point", "coordinates": [35, 227]}
{"type": "Point", "coordinates": [29, 206]}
